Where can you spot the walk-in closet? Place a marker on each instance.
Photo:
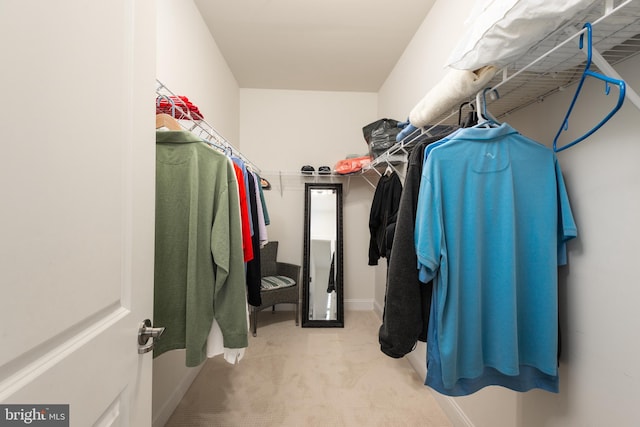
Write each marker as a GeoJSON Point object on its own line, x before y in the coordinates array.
{"type": "Point", "coordinates": [352, 213]}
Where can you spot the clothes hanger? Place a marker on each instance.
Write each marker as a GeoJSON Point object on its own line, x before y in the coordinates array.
{"type": "Point", "coordinates": [460, 110]}
{"type": "Point", "coordinates": [607, 88]}
{"type": "Point", "coordinates": [165, 120]}
{"type": "Point", "coordinates": [472, 116]}
{"type": "Point", "coordinates": [485, 119]}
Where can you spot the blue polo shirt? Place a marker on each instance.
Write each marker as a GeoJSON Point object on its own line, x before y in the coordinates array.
{"type": "Point", "coordinates": [492, 222]}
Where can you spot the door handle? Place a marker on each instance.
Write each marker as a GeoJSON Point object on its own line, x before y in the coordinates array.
{"type": "Point", "coordinates": [145, 331]}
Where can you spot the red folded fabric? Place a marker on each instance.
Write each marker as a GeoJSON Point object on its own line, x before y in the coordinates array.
{"type": "Point", "coordinates": [185, 109]}
{"type": "Point", "coordinates": [347, 166]}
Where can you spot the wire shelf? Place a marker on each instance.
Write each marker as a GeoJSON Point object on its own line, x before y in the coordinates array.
{"type": "Point", "coordinates": [556, 62]}
{"type": "Point", "coordinates": [197, 125]}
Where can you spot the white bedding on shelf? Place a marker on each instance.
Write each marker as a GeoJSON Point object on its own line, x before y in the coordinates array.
{"type": "Point", "coordinates": [455, 87]}
{"type": "Point", "coordinates": [500, 31]}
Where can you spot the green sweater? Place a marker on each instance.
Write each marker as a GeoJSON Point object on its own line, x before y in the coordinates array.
{"type": "Point", "coordinates": [199, 268]}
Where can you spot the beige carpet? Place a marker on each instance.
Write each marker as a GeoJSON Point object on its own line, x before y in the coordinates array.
{"type": "Point", "coordinates": [292, 376]}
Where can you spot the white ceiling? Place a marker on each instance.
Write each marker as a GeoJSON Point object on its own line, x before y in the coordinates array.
{"type": "Point", "coordinates": [333, 45]}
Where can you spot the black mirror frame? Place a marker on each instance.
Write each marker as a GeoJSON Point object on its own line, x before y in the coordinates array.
{"type": "Point", "coordinates": [306, 322]}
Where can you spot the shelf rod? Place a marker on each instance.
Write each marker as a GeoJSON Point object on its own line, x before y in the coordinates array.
{"type": "Point", "coordinates": [213, 137]}
{"type": "Point", "coordinates": [538, 59]}
{"type": "Point", "coordinates": [607, 69]}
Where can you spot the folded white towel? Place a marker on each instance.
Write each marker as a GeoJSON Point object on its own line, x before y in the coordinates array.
{"type": "Point", "coordinates": [455, 87]}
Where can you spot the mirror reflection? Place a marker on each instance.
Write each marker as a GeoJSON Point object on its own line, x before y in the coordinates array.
{"type": "Point", "coordinates": [322, 269]}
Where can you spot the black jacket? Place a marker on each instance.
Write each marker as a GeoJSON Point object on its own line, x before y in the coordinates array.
{"type": "Point", "coordinates": [384, 212]}
{"type": "Point", "coordinates": [253, 276]}
{"type": "Point", "coordinates": [407, 301]}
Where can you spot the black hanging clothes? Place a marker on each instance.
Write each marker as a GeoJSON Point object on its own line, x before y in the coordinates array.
{"type": "Point", "coordinates": [253, 266]}
{"type": "Point", "coordinates": [407, 301]}
{"type": "Point", "coordinates": [384, 211]}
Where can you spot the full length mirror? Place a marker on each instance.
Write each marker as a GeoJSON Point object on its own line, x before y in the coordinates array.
{"type": "Point", "coordinates": [322, 264]}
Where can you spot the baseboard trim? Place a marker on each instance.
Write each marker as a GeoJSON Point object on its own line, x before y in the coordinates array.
{"type": "Point", "coordinates": [172, 403]}
{"type": "Point", "coordinates": [358, 305]}
{"type": "Point", "coordinates": [452, 410]}
{"type": "Point", "coordinates": [378, 309]}
{"type": "Point", "coordinates": [418, 360]}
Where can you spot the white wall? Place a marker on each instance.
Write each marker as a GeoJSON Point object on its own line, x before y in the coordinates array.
{"type": "Point", "coordinates": [282, 130]}
{"type": "Point", "coordinates": [422, 64]}
{"type": "Point", "coordinates": [189, 63]}
{"type": "Point", "coordinates": [419, 68]}
{"type": "Point", "coordinates": [599, 373]}
{"type": "Point", "coordinates": [600, 376]}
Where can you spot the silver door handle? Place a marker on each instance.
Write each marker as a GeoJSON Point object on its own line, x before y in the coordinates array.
{"type": "Point", "coordinates": [145, 331]}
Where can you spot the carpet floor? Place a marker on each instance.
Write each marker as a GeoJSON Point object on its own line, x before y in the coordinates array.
{"type": "Point", "coordinates": [292, 376]}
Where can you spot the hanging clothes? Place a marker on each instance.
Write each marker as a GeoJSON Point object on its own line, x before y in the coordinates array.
{"type": "Point", "coordinates": [253, 277]}
{"type": "Point", "coordinates": [240, 163]}
{"type": "Point", "coordinates": [265, 211]}
{"type": "Point", "coordinates": [383, 214]}
{"type": "Point", "coordinates": [331, 286]}
{"type": "Point", "coordinates": [492, 222]}
{"type": "Point", "coordinates": [407, 300]}
{"type": "Point", "coordinates": [215, 345]}
{"type": "Point", "coordinates": [199, 269]}
{"type": "Point", "coordinates": [247, 246]}
{"type": "Point", "coordinates": [262, 227]}
{"type": "Point", "coordinates": [215, 340]}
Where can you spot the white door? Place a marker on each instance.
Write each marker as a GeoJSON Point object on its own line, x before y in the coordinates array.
{"type": "Point", "coordinates": [77, 161]}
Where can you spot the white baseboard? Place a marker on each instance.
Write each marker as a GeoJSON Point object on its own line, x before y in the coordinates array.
{"type": "Point", "coordinates": [378, 309]}
{"type": "Point", "coordinates": [171, 404]}
{"type": "Point", "coordinates": [454, 412]}
{"type": "Point", "coordinates": [358, 305]}
{"type": "Point", "coordinates": [418, 360]}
